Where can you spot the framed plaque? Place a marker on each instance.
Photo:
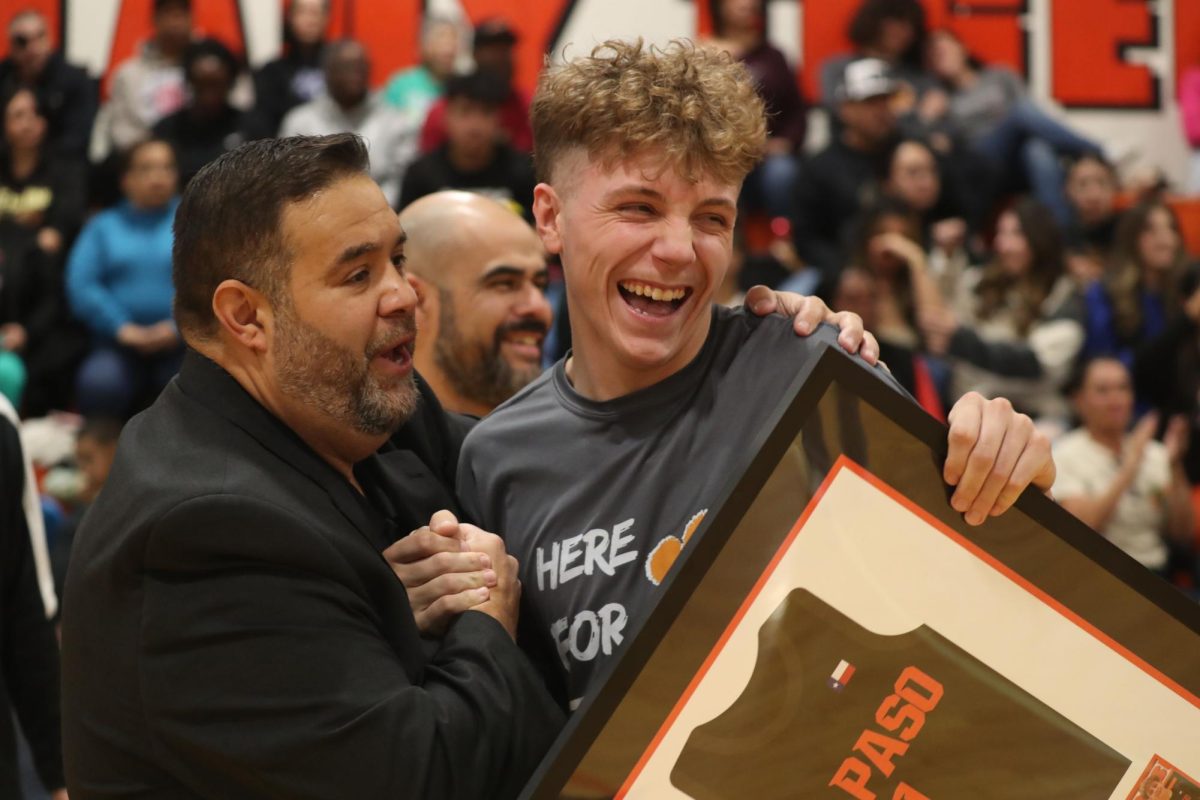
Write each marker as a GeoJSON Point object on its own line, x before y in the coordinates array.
{"type": "Point", "coordinates": [835, 629]}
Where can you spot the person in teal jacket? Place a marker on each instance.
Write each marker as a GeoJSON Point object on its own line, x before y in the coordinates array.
{"type": "Point", "coordinates": [119, 286]}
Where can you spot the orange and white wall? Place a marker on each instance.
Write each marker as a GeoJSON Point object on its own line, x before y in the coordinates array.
{"type": "Point", "coordinates": [1109, 66]}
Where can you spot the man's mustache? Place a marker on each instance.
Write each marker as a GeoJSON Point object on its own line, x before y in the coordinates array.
{"type": "Point", "coordinates": [527, 325]}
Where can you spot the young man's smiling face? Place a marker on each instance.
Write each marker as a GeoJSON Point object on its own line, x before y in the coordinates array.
{"type": "Point", "coordinates": [643, 249]}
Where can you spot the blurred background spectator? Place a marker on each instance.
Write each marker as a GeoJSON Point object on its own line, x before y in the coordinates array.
{"type": "Point", "coordinates": [150, 85]}
{"type": "Point", "coordinates": [1143, 289]}
{"type": "Point", "coordinates": [95, 449]}
{"type": "Point", "coordinates": [473, 157]}
{"type": "Point", "coordinates": [838, 181]}
{"type": "Point", "coordinates": [492, 48]}
{"type": "Point", "coordinates": [739, 28]}
{"type": "Point", "coordinates": [1017, 323]}
{"type": "Point", "coordinates": [889, 275]}
{"type": "Point", "coordinates": [347, 105]}
{"type": "Point", "coordinates": [1091, 189]}
{"type": "Point", "coordinates": [913, 174]}
{"type": "Point", "coordinates": [988, 109]}
{"type": "Point", "coordinates": [119, 285]}
{"type": "Point", "coordinates": [892, 31]}
{"type": "Point", "coordinates": [41, 209]}
{"type": "Point", "coordinates": [208, 124]}
{"type": "Point", "coordinates": [1123, 483]}
{"type": "Point", "coordinates": [65, 93]}
{"type": "Point", "coordinates": [297, 76]}
{"type": "Point", "coordinates": [414, 90]}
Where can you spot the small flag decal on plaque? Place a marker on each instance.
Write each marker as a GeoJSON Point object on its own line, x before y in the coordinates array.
{"type": "Point", "coordinates": [841, 676]}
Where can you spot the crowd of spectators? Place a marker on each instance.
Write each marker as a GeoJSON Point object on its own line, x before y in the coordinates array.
{"type": "Point", "coordinates": [989, 246]}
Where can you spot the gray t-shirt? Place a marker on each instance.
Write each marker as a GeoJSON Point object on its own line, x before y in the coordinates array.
{"type": "Point", "coordinates": [595, 500]}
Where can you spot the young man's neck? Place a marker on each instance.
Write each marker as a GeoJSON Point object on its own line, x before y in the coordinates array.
{"type": "Point", "coordinates": [598, 373]}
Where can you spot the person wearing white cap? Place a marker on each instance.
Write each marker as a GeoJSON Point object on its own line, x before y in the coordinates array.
{"type": "Point", "coordinates": [830, 192]}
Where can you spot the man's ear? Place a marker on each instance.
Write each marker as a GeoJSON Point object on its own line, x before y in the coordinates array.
{"type": "Point", "coordinates": [243, 313]}
{"type": "Point", "coordinates": [428, 307]}
{"type": "Point", "coordinates": [547, 206]}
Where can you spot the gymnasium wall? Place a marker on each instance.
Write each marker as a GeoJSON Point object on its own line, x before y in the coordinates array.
{"type": "Point", "coordinates": [1109, 66]}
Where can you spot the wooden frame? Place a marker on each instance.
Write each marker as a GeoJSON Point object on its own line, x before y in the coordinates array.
{"type": "Point", "coordinates": [842, 423]}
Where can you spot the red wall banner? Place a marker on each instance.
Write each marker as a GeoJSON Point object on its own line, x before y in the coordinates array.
{"type": "Point", "coordinates": [1089, 40]}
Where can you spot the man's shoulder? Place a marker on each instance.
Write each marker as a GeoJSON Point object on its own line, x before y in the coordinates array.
{"type": "Point", "coordinates": [531, 409]}
{"type": "Point", "coordinates": [183, 469]}
{"type": "Point", "coordinates": [772, 334]}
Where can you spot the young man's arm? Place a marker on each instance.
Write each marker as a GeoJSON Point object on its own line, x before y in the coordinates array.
{"type": "Point", "coordinates": [994, 452]}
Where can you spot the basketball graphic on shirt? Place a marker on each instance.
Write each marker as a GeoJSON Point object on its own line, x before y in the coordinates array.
{"type": "Point", "coordinates": [660, 559]}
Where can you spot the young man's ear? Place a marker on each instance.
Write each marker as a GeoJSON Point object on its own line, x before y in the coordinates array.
{"type": "Point", "coordinates": [546, 210]}
{"type": "Point", "coordinates": [243, 313]}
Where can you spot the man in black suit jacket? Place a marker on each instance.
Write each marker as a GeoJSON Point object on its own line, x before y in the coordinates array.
{"type": "Point", "coordinates": [230, 628]}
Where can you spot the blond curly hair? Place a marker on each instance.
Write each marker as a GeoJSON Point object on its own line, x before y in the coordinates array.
{"type": "Point", "coordinates": [695, 107]}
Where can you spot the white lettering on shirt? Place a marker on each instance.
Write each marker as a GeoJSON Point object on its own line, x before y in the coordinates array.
{"type": "Point", "coordinates": [584, 554]}
{"type": "Point", "coordinates": [590, 633]}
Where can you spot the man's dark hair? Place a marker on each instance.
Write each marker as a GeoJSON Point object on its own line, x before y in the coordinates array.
{"type": "Point", "coordinates": [210, 48]}
{"type": "Point", "coordinates": [479, 86]}
{"type": "Point", "coordinates": [126, 159]}
{"type": "Point", "coordinates": [163, 5]}
{"type": "Point", "coordinates": [101, 430]}
{"type": "Point", "coordinates": [228, 223]}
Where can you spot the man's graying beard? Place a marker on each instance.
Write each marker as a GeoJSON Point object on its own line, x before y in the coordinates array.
{"type": "Point", "coordinates": [322, 374]}
{"type": "Point", "coordinates": [474, 370]}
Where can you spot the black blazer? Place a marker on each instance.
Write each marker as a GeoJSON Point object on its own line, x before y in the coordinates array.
{"type": "Point", "coordinates": [231, 630]}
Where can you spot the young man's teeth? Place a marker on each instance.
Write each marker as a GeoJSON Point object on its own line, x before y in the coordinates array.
{"type": "Point", "coordinates": [653, 292]}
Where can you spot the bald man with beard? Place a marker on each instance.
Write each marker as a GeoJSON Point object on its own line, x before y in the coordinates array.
{"type": "Point", "coordinates": [480, 275]}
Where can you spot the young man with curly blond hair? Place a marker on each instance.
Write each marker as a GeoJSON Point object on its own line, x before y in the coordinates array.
{"type": "Point", "coordinates": [641, 153]}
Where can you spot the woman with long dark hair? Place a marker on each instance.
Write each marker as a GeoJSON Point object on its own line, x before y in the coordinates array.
{"type": "Point", "coordinates": [1018, 327]}
{"type": "Point", "coordinates": [1143, 288]}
